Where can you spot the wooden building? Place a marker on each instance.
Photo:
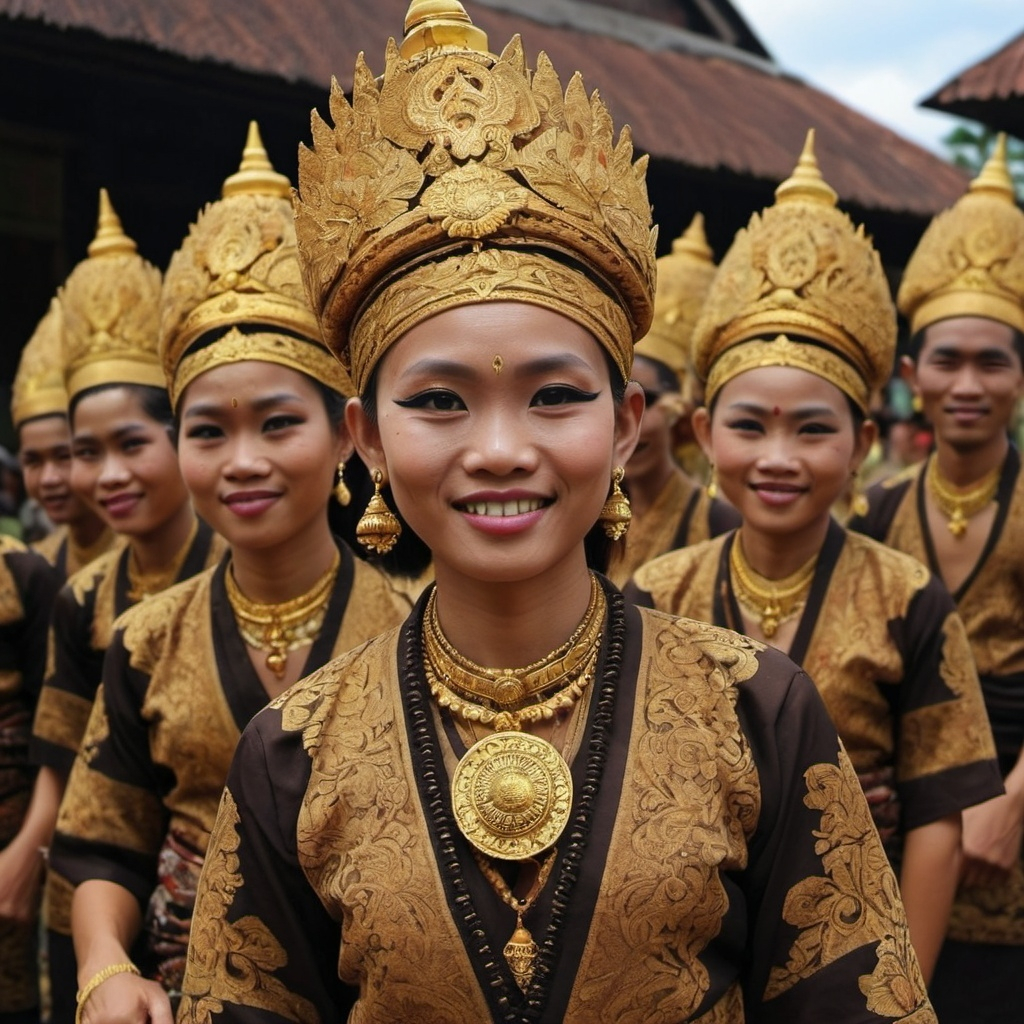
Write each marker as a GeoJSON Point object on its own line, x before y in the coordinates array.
{"type": "Point", "coordinates": [152, 99]}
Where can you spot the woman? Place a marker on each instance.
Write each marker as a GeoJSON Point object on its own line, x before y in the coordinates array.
{"type": "Point", "coordinates": [260, 403]}
{"type": "Point", "coordinates": [798, 329]}
{"type": "Point", "coordinates": [39, 412]}
{"type": "Point", "coordinates": [670, 510]}
{"type": "Point", "coordinates": [125, 465]}
{"type": "Point", "coordinates": [627, 830]}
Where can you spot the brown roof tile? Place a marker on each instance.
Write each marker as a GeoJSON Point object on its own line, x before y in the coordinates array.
{"type": "Point", "coordinates": [698, 109]}
{"type": "Point", "coordinates": [991, 91]}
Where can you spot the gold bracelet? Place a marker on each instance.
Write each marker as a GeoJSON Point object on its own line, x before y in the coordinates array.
{"type": "Point", "coordinates": [96, 980]}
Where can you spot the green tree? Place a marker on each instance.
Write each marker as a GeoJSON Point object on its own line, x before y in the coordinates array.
{"type": "Point", "coordinates": [968, 145]}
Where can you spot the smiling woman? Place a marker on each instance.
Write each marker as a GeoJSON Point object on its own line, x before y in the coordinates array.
{"type": "Point", "coordinates": [799, 327]}
{"type": "Point", "coordinates": [125, 468]}
{"type": "Point", "coordinates": [530, 802]}
{"type": "Point", "coordinates": [260, 403]}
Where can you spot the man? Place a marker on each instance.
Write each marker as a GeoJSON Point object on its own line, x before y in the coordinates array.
{"type": "Point", "coordinates": [962, 513]}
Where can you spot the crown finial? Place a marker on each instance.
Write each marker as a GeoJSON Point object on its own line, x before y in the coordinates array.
{"type": "Point", "coordinates": [256, 175]}
{"type": "Point", "coordinates": [994, 178]}
{"type": "Point", "coordinates": [693, 241]}
{"type": "Point", "coordinates": [110, 238]}
{"type": "Point", "coordinates": [806, 183]}
{"type": "Point", "coordinates": [434, 23]}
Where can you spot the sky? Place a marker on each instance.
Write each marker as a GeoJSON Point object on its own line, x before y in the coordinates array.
{"type": "Point", "coordinates": [883, 57]}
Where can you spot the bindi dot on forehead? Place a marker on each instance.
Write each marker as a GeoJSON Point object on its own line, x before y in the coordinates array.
{"type": "Point", "coordinates": [776, 411]}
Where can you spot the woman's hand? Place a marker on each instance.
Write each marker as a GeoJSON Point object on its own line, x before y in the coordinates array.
{"type": "Point", "coordinates": [127, 999]}
{"type": "Point", "coordinates": [992, 838]}
{"type": "Point", "coordinates": [21, 874]}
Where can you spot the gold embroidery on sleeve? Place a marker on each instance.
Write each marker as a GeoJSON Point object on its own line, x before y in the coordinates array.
{"type": "Point", "coordinates": [233, 961]}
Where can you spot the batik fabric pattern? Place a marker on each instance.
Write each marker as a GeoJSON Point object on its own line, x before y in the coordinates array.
{"type": "Point", "coordinates": [882, 641]}
{"type": "Point", "coordinates": [28, 585]}
{"type": "Point", "coordinates": [178, 688]}
{"type": "Point", "coordinates": [708, 880]}
{"type": "Point", "coordinates": [991, 603]}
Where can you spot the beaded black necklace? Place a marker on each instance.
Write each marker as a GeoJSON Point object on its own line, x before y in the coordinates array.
{"type": "Point", "coordinates": [435, 793]}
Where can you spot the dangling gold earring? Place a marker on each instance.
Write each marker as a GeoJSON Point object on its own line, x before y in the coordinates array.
{"type": "Point", "coordinates": [859, 505]}
{"type": "Point", "coordinates": [616, 514]}
{"type": "Point", "coordinates": [341, 491]}
{"type": "Point", "coordinates": [712, 488]}
{"type": "Point", "coordinates": [916, 403]}
{"type": "Point", "coordinates": [378, 528]}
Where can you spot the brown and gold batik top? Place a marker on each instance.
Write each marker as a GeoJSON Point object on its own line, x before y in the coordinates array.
{"type": "Point", "coordinates": [178, 688]}
{"type": "Point", "coordinates": [720, 865]}
{"type": "Point", "coordinates": [991, 603]}
{"type": "Point", "coordinates": [681, 515]}
{"type": "Point", "coordinates": [882, 641]}
{"type": "Point", "coordinates": [67, 557]}
{"type": "Point", "coordinates": [28, 585]}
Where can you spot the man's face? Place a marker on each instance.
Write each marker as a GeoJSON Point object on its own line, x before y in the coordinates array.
{"type": "Point", "coordinates": [969, 378]}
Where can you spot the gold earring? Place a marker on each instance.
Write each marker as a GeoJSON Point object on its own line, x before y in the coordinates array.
{"type": "Point", "coordinates": [916, 403]}
{"type": "Point", "coordinates": [712, 488]}
{"type": "Point", "coordinates": [616, 514]}
{"type": "Point", "coordinates": [378, 528]}
{"type": "Point", "coordinates": [341, 491]}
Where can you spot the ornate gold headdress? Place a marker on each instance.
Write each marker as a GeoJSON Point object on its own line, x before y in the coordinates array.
{"type": "Point", "coordinates": [464, 178]}
{"type": "Point", "coordinates": [111, 307]}
{"type": "Point", "coordinates": [970, 260]}
{"type": "Point", "coordinates": [233, 290]}
{"type": "Point", "coordinates": [684, 277]}
{"type": "Point", "coordinates": [800, 286]}
{"type": "Point", "coordinates": [39, 383]}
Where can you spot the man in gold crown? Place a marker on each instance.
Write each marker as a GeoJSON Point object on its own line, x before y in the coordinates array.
{"type": "Point", "coordinates": [962, 514]}
{"type": "Point", "coordinates": [39, 411]}
{"type": "Point", "coordinates": [799, 328]}
{"type": "Point", "coordinates": [669, 509]}
{"type": "Point", "coordinates": [615, 829]}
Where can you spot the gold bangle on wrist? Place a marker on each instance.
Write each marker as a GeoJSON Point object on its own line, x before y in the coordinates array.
{"type": "Point", "coordinates": [96, 980]}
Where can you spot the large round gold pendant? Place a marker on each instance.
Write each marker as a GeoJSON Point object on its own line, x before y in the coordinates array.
{"type": "Point", "coordinates": [511, 795]}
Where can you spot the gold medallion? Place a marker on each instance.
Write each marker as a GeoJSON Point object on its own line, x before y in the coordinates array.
{"type": "Point", "coordinates": [512, 795]}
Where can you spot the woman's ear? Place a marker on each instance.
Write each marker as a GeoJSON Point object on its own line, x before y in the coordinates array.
{"type": "Point", "coordinates": [343, 440]}
{"type": "Point", "coordinates": [700, 423]}
{"type": "Point", "coordinates": [628, 415]}
{"type": "Point", "coordinates": [866, 437]}
{"type": "Point", "coordinates": [364, 435]}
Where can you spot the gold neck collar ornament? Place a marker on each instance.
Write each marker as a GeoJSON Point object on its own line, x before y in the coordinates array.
{"type": "Point", "coordinates": [512, 792]}
{"type": "Point", "coordinates": [956, 504]}
{"type": "Point", "coordinates": [280, 628]}
{"type": "Point", "coordinates": [145, 584]}
{"type": "Point", "coordinates": [771, 602]}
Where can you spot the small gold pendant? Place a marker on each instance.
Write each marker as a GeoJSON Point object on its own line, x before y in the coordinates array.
{"type": "Point", "coordinates": [770, 619]}
{"type": "Point", "coordinates": [521, 952]}
{"type": "Point", "coordinates": [957, 523]}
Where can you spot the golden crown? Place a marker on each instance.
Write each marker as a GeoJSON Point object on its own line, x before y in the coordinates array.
{"type": "Point", "coordinates": [461, 177]}
{"type": "Point", "coordinates": [111, 307]}
{"type": "Point", "coordinates": [39, 383]}
{"type": "Point", "coordinates": [800, 272]}
{"type": "Point", "coordinates": [970, 260]}
{"type": "Point", "coordinates": [233, 290]}
{"type": "Point", "coordinates": [684, 277]}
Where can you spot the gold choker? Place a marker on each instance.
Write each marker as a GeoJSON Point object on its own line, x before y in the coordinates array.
{"type": "Point", "coordinates": [958, 506]}
{"type": "Point", "coordinates": [771, 602]}
{"type": "Point", "coordinates": [512, 792]}
{"type": "Point", "coordinates": [145, 584]}
{"type": "Point", "coordinates": [280, 628]}
{"type": "Point", "coordinates": [511, 692]}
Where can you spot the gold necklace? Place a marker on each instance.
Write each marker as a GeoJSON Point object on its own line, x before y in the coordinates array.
{"type": "Point", "coordinates": [956, 504]}
{"type": "Point", "coordinates": [771, 602]}
{"type": "Point", "coordinates": [512, 792]}
{"type": "Point", "coordinates": [512, 689]}
{"type": "Point", "coordinates": [520, 951]}
{"type": "Point", "coordinates": [145, 584]}
{"type": "Point", "coordinates": [280, 628]}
